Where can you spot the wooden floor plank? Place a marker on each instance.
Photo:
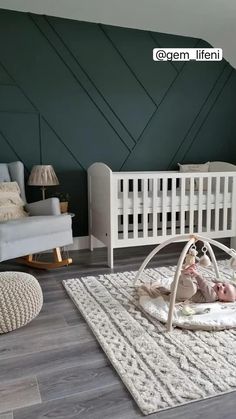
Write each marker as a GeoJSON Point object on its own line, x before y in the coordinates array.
{"type": "Point", "coordinates": [103, 403]}
{"type": "Point", "coordinates": [75, 380]}
{"type": "Point", "coordinates": [41, 324]}
{"type": "Point", "coordinates": [73, 317]}
{"type": "Point", "coordinates": [56, 359]}
{"type": "Point", "coordinates": [19, 393]}
{"type": "Point", "coordinates": [59, 338]}
{"type": "Point", "coordinates": [55, 307]}
{"type": "Point", "coordinates": [55, 295]}
{"type": "Point", "coordinates": [8, 415]}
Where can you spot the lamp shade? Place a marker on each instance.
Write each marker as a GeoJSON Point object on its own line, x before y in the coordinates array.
{"type": "Point", "coordinates": [43, 175]}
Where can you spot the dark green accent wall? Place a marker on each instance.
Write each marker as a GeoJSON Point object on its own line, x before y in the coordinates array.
{"type": "Point", "coordinates": [73, 93]}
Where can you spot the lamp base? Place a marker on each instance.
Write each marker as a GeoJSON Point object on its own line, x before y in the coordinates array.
{"type": "Point", "coordinates": [43, 189]}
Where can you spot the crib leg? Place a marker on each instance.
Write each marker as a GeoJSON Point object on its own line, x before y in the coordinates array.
{"type": "Point", "coordinates": [110, 257]}
{"type": "Point", "coordinates": [91, 242]}
{"type": "Point", "coordinates": [233, 243]}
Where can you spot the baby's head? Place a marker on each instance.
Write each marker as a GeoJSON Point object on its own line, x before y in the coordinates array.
{"type": "Point", "coordinates": [225, 291]}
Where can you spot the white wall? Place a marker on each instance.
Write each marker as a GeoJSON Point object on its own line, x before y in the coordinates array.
{"type": "Point", "coordinates": [211, 20]}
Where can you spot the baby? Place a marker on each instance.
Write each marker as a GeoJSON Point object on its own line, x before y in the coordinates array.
{"type": "Point", "coordinates": [209, 290]}
{"type": "Point", "coordinates": [194, 287]}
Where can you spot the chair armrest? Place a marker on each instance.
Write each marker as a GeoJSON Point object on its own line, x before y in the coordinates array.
{"type": "Point", "coordinates": [50, 206]}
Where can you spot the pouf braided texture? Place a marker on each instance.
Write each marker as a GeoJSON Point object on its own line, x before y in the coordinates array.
{"type": "Point", "coordinates": [21, 300]}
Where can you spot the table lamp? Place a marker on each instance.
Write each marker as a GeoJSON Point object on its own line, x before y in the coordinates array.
{"type": "Point", "coordinates": [43, 175]}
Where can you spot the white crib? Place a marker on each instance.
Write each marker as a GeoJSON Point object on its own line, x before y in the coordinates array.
{"type": "Point", "coordinates": [140, 208]}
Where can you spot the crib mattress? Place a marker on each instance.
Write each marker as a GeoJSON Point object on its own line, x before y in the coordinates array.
{"type": "Point", "coordinates": [208, 316]}
{"type": "Point", "coordinates": [166, 202]}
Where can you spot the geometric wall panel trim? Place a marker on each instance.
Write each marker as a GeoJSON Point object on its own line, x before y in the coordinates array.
{"type": "Point", "coordinates": [72, 93]}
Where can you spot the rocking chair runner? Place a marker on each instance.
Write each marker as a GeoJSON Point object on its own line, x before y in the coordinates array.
{"type": "Point", "coordinates": [43, 230]}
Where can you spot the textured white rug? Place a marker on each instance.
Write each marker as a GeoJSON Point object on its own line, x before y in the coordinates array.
{"type": "Point", "coordinates": [161, 370]}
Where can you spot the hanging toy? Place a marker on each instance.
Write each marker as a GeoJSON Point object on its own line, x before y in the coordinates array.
{"type": "Point", "coordinates": [191, 257]}
{"type": "Point", "coordinates": [204, 259]}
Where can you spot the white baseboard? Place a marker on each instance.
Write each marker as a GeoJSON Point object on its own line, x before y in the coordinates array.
{"type": "Point", "coordinates": [80, 243]}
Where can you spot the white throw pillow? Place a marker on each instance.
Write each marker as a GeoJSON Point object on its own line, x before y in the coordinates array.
{"type": "Point", "coordinates": [221, 166]}
{"type": "Point", "coordinates": [185, 168]}
{"type": "Point", "coordinates": [11, 204]}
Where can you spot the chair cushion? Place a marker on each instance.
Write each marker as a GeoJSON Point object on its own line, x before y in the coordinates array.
{"type": "Point", "coordinates": [33, 227]}
{"type": "Point", "coordinates": [34, 234]}
{"type": "Point", "coordinates": [11, 204]}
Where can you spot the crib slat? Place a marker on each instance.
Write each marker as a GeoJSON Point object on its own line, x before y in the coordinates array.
{"type": "Point", "coordinates": [199, 217]}
{"type": "Point", "coordinates": [231, 213]}
{"type": "Point", "coordinates": [135, 208]}
{"type": "Point", "coordinates": [217, 209]}
{"type": "Point", "coordinates": [154, 207]}
{"type": "Point", "coordinates": [114, 215]}
{"type": "Point", "coordinates": [173, 207]}
{"type": "Point", "coordinates": [125, 208]}
{"type": "Point", "coordinates": [159, 214]}
{"type": "Point", "coordinates": [145, 208]}
{"type": "Point", "coordinates": [191, 197]}
{"type": "Point", "coordinates": [208, 211]}
{"type": "Point", "coordinates": [164, 193]}
{"type": "Point", "coordinates": [182, 211]}
{"type": "Point", "coordinates": [225, 208]}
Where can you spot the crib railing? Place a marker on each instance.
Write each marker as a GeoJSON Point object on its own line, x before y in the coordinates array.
{"type": "Point", "coordinates": [150, 207]}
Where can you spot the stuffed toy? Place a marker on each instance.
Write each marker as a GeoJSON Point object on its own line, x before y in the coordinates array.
{"type": "Point", "coordinates": [191, 258]}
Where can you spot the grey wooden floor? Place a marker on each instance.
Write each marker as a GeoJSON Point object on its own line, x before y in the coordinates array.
{"type": "Point", "coordinates": [54, 367]}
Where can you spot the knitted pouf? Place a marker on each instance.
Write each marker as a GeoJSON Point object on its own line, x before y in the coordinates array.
{"type": "Point", "coordinates": [21, 300]}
